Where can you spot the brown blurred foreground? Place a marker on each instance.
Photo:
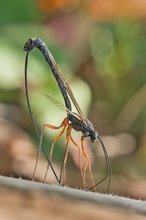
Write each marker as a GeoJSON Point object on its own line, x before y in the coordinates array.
{"type": "Point", "coordinates": [22, 199]}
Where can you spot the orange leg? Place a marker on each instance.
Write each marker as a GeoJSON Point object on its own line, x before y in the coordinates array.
{"type": "Point", "coordinates": [63, 124]}
{"type": "Point", "coordinates": [52, 148]}
{"type": "Point", "coordinates": [80, 158]}
{"type": "Point", "coordinates": [63, 167]}
{"type": "Point", "coordinates": [88, 164]}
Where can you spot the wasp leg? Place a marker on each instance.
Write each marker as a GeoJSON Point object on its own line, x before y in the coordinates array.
{"type": "Point", "coordinates": [41, 138]}
{"type": "Point", "coordinates": [88, 165]}
{"type": "Point", "coordinates": [80, 158]}
{"type": "Point", "coordinates": [63, 124]}
{"type": "Point", "coordinates": [63, 166]}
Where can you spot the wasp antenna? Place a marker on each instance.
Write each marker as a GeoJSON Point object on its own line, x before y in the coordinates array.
{"type": "Point", "coordinates": [108, 165]}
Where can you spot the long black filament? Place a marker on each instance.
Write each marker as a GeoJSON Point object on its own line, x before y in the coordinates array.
{"type": "Point", "coordinates": [32, 118]}
{"type": "Point", "coordinates": [108, 165]}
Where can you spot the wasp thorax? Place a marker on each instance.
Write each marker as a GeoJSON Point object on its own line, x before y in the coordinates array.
{"type": "Point", "coordinates": [92, 133]}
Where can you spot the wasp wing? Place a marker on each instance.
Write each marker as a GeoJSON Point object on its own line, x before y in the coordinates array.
{"type": "Point", "coordinates": [61, 106]}
{"type": "Point", "coordinates": [70, 93]}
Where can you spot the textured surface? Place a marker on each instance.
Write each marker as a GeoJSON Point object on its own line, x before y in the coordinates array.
{"type": "Point", "coordinates": [30, 200]}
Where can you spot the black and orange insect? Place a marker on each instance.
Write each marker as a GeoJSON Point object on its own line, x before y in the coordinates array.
{"type": "Point", "coordinates": [76, 121]}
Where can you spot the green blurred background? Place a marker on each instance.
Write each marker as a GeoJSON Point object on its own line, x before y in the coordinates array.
{"type": "Point", "coordinates": [100, 47]}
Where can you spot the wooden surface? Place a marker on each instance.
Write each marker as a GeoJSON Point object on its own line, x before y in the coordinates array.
{"type": "Point", "coordinates": [21, 199]}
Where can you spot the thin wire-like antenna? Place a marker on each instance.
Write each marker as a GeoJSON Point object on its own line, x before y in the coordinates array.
{"type": "Point", "coordinates": [108, 165]}
{"type": "Point", "coordinates": [32, 118]}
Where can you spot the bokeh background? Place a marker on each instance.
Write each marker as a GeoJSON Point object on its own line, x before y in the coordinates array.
{"type": "Point", "coordinates": [100, 47]}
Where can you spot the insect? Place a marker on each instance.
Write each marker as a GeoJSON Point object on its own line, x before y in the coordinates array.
{"type": "Point", "coordinates": [76, 121]}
